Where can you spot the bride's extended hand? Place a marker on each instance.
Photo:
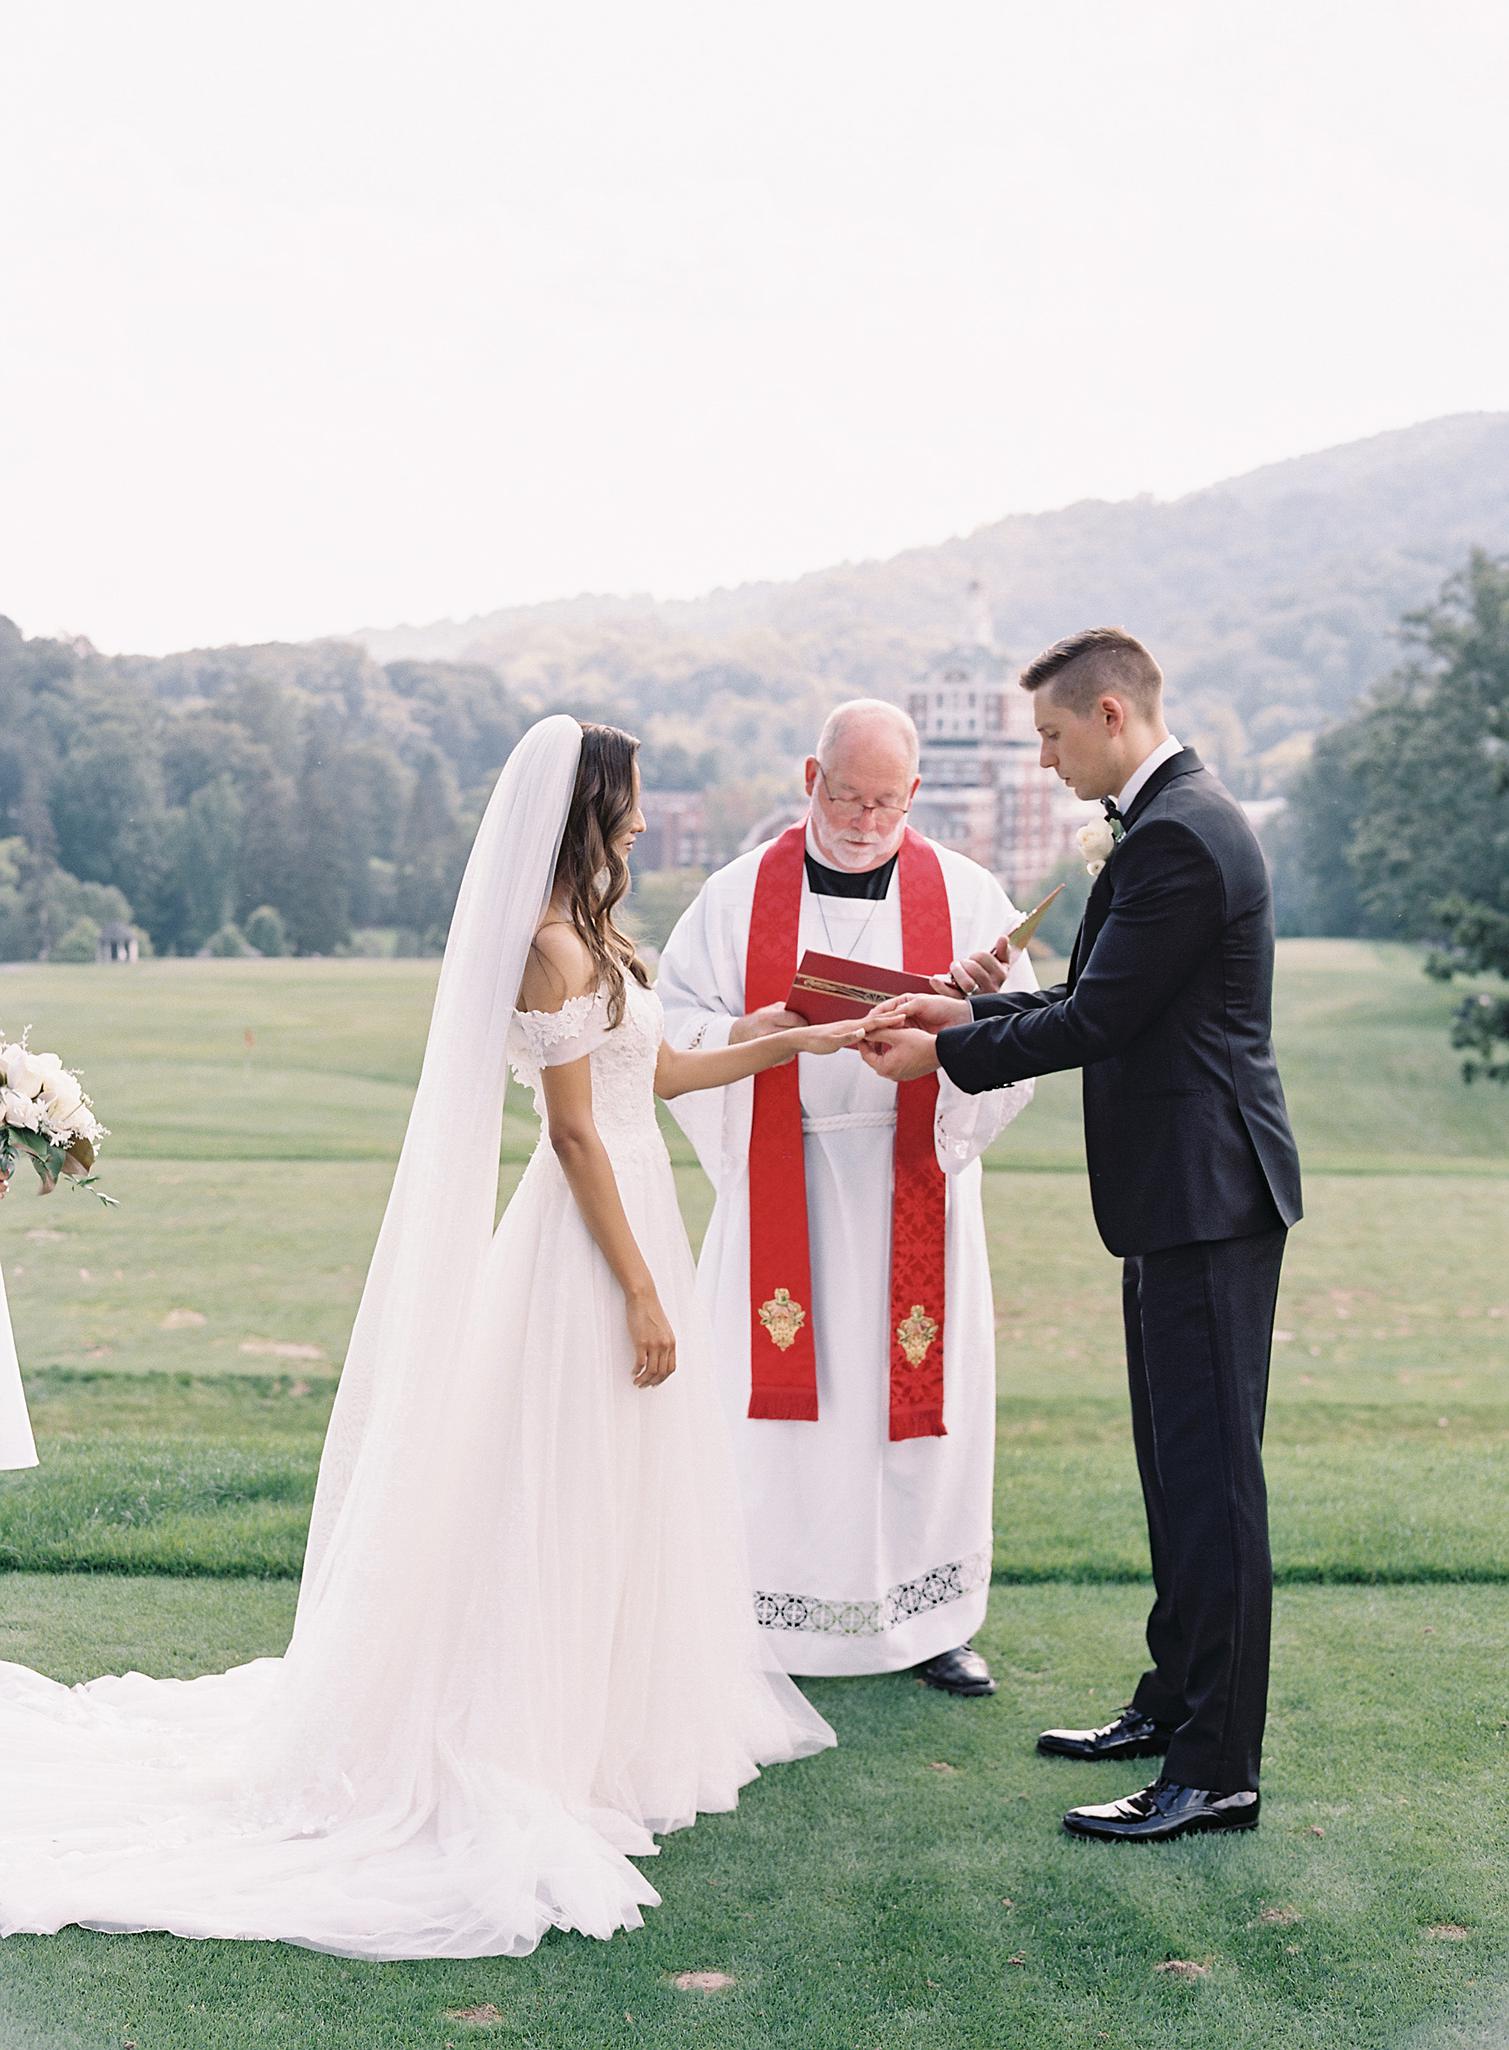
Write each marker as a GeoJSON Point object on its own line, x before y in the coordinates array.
{"type": "Point", "coordinates": [826, 1038]}
{"type": "Point", "coordinates": [653, 1340]}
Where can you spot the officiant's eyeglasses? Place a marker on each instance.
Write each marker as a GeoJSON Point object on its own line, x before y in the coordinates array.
{"type": "Point", "coordinates": [855, 807]}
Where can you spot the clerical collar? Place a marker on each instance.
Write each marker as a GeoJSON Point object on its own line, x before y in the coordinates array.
{"type": "Point", "coordinates": [823, 881]}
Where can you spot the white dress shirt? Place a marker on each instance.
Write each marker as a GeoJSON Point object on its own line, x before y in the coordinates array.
{"type": "Point", "coordinates": [1163, 752]}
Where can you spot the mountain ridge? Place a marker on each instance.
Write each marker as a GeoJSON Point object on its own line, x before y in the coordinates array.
{"type": "Point", "coordinates": [1322, 474]}
{"type": "Point", "coordinates": [1273, 599]}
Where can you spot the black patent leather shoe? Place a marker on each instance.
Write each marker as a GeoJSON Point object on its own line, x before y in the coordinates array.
{"type": "Point", "coordinates": [1163, 1811]}
{"type": "Point", "coordinates": [1131, 1735]}
{"type": "Point", "coordinates": [961, 1671]}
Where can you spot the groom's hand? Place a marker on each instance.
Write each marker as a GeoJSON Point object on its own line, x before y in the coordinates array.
{"type": "Point", "coordinates": [980, 973]}
{"type": "Point", "coordinates": [925, 1014]}
{"type": "Point", "coordinates": [899, 1035]}
{"type": "Point", "coordinates": [900, 1054]}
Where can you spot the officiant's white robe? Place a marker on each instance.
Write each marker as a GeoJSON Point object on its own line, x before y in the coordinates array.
{"type": "Point", "coordinates": [868, 1556]}
{"type": "Point", "coordinates": [16, 1444]}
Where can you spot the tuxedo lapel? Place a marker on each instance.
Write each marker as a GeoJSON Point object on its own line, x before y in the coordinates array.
{"type": "Point", "coordinates": [1184, 763]}
{"type": "Point", "coordinates": [1098, 903]}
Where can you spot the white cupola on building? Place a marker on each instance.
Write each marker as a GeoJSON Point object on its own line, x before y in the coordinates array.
{"type": "Point", "coordinates": [983, 791]}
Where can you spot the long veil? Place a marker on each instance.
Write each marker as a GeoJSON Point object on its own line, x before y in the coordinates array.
{"type": "Point", "coordinates": [373, 1619]}
{"type": "Point", "coordinates": [440, 1211]}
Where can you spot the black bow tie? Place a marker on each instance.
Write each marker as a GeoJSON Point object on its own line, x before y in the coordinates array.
{"type": "Point", "coordinates": [1113, 811]}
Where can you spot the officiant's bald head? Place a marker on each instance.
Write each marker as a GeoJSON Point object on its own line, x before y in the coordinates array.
{"type": "Point", "coordinates": [868, 723]}
{"type": "Point", "coordinates": [861, 781]}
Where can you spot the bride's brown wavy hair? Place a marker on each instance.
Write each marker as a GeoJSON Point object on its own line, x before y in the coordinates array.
{"type": "Point", "coordinates": [590, 874]}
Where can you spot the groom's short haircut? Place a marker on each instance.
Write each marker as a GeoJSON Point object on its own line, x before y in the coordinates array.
{"type": "Point", "coordinates": [1100, 661]}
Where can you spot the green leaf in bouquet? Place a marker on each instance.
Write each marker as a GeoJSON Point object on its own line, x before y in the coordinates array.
{"type": "Point", "coordinates": [51, 1161]}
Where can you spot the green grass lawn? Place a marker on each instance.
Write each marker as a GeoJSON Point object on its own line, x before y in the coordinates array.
{"type": "Point", "coordinates": [912, 1889]}
{"type": "Point", "coordinates": [181, 1355]}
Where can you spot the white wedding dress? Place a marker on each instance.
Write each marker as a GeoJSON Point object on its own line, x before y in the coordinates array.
{"type": "Point", "coordinates": [524, 1641]}
{"type": "Point", "coordinates": [17, 1446]}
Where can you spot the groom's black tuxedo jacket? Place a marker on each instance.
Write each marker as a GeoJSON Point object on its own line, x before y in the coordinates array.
{"type": "Point", "coordinates": [1168, 1009]}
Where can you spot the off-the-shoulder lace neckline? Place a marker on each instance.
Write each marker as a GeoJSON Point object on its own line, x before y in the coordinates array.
{"type": "Point", "coordinates": [573, 1006]}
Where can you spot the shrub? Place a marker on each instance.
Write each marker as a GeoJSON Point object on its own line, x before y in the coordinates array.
{"type": "Point", "coordinates": [79, 943]}
{"type": "Point", "coordinates": [266, 931]}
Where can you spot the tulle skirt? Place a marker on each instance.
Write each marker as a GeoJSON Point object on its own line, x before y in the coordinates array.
{"type": "Point", "coordinates": [594, 1677]}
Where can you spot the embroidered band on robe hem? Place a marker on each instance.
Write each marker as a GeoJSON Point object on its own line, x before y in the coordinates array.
{"type": "Point", "coordinates": [899, 1604]}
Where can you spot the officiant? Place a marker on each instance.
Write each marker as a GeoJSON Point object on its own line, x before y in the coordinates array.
{"type": "Point", "coordinates": [845, 1266]}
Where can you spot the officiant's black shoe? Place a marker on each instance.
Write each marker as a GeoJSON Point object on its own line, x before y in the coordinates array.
{"type": "Point", "coordinates": [1163, 1811]}
{"type": "Point", "coordinates": [1131, 1735]}
{"type": "Point", "coordinates": [960, 1671]}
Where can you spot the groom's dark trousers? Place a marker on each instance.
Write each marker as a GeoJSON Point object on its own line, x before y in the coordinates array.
{"type": "Point", "coordinates": [1195, 1181]}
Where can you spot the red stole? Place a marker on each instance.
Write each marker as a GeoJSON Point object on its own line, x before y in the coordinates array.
{"type": "Point", "coordinates": [783, 1354]}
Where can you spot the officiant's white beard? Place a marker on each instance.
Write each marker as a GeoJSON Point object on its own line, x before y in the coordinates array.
{"type": "Point", "coordinates": [849, 847]}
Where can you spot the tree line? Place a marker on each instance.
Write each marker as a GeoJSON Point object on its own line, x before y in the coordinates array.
{"type": "Point", "coordinates": [1398, 825]}
{"type": "Point", "coordinates": [272, 799]}
{"type": "Point", "coordinates": [309, 798]}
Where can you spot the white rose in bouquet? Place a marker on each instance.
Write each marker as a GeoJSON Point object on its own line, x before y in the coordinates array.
{"type": "Point", "coordinates": [22, 1111]}
{"type": "Point", "coordinates": [1096, 843]}
{"type": "Point", "coordinates": [62, 1095]}
{"type": "Point", "coordinates": [22, 1070]}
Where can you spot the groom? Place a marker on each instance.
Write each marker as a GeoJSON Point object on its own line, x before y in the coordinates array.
{"type": "Point", "coordinates": [1194, 1179]}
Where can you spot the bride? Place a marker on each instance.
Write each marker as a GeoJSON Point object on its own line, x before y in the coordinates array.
{"type": "Point", "coordinates": [524, 1641]}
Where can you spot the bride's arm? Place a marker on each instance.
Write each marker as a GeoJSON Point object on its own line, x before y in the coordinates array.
{"type": "Point", "coordinates": [559, 968]}
{"type": "Point", "coordinates": [714, 1067]}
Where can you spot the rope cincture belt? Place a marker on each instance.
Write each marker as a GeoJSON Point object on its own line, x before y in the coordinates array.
{"type": "Point", "coordinates": [851, 1121]}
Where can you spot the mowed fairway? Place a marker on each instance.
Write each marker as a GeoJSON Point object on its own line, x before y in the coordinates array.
{"type": "Point", "coordinates": [911, 1888]}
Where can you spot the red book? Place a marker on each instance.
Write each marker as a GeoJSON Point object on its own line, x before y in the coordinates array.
{"type": "Point", "coordinates": [826, 987]}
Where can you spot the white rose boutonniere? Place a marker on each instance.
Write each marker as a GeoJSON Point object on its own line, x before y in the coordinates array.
{"type": "Point", "coordinates": [1096, 844]}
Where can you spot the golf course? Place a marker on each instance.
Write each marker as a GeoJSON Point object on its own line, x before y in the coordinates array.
{"type": "Point", "coordinates": [911, 1890]}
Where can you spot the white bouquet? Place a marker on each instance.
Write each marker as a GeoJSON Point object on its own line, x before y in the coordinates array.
{"type": "Point", "coordinates": [45, 1114]}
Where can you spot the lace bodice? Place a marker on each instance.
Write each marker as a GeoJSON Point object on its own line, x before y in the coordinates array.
{"type": "Point", "coordinates": [622, 1057]}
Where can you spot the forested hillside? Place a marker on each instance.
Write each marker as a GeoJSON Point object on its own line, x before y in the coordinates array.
{"type": "Point", "coordinates": [191, 791]}
{"type": "Point", "coordinates": [320, 792]}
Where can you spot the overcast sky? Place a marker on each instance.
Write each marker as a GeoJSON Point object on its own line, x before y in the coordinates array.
{"type": "Point", "coordinates": [318, 315]}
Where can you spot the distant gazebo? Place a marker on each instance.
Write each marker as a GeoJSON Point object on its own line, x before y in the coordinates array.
{"type": "Point", "coordinates": [116, 942]}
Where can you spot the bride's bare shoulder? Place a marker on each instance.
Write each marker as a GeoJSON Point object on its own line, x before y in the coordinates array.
{"type": "Point", "coordinates": [559, 967]}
